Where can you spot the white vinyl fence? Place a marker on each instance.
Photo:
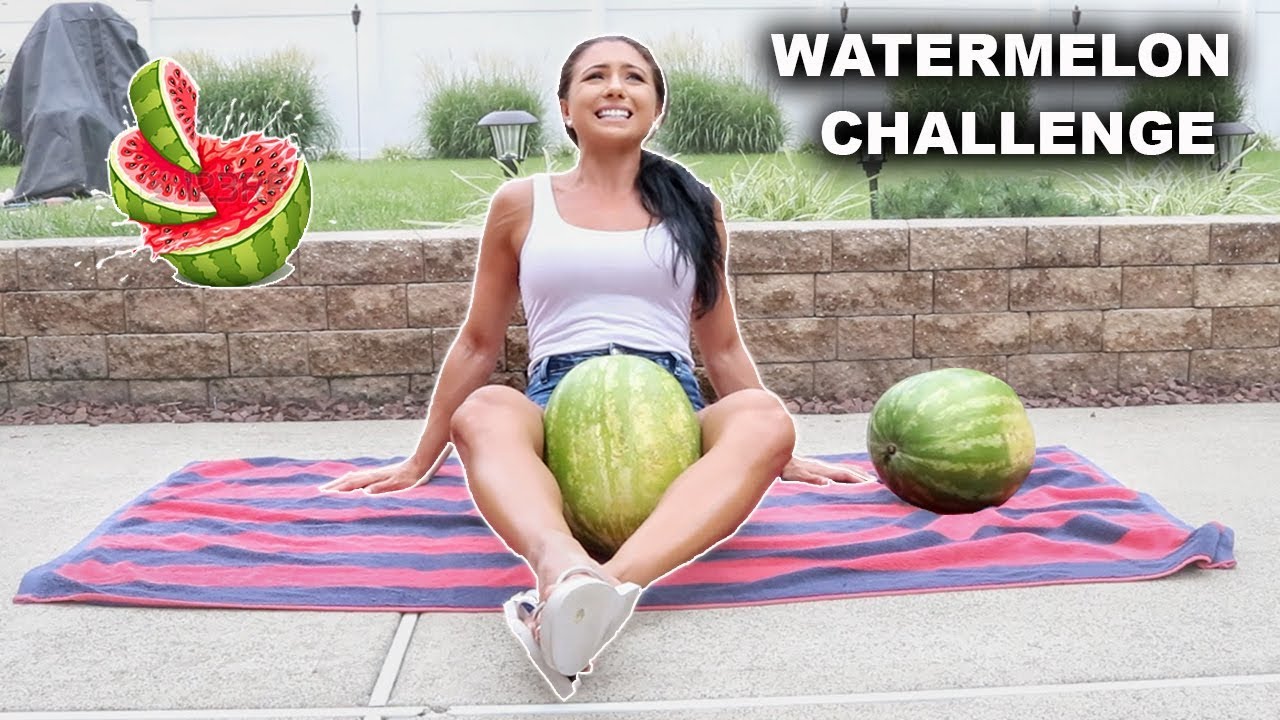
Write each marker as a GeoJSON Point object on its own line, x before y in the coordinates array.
{"type": "Point", "coordinates": [399, 41]}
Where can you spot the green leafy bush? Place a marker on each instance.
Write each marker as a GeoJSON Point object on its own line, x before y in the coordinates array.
{"type": "Point", "coordinates": [766, 189]}
{"type": "Point", "coordinates": [457, 101]}
{"type": "Point", "coordinates": [1176, 188]}
{"type": "Point", "coordinates": [10, 150]}
{"type": "Point", "coordinates": [710, 113]}
{"type": "Point", "coordinates": [953, 196]}
{"type": "Point", "coordinates": [279, 94]}
{"type": "Point", "coordinates": [712, 105]}
{"type": "Point", "coordinates": [1223, 96]}
{"type": "Point", "coordinates": [986, 97]}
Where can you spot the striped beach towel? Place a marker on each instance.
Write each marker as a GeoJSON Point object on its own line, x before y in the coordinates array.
{"type": "Point", "coordinates": [257, 533]}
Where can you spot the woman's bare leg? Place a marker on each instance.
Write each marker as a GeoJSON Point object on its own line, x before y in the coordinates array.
{"type": "Point", "coordinates": [747, 440]}
{"type": "Point", "coordinates": [499, 436]}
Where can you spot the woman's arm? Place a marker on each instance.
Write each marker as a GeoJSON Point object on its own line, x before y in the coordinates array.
{"type": "Point", "coordinates": [724, 355]}
{"type": "Point", "coordinates": [473, 356]}
{"type": "Point", "coordinates": [730, 369]}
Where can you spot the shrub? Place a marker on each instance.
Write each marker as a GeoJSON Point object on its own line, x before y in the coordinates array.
{"type": "Point", "coordinates": [986, 97]}
{"type": "Point", "coordinates": [457, 101]}
{"type": "Point", "coordinates": [1222, 96]}
{"type": "Point", "coordinates": [10, 150]}
{"type": "Point", "coordinates": [710, 114]}
{"type": "Point", "coordinates": [398, 153]}
{"type": "Point", "coordinates": [712, 107]}
{"type": "Point", "coordinates": [1175, 188]}
{"type": "Point", "coordinates": [767, 189]}
{"type": "Point", "coordinates": [279, 95]}
{"type": "Point", "coordinates": [952, 196]}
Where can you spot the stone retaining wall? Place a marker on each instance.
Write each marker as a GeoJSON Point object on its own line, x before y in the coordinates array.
{"type": "Point", "coordinates": [832, 310]}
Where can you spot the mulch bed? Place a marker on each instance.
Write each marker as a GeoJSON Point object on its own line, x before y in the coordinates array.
{"type": "Point", "coordinates": [1170, 393]}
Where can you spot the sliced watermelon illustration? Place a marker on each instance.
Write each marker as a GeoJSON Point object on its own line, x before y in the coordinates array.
{"type": "Point", "coordinates": [224, 213]}
{"type": "Point", "coordinates": [150, 189]}
{"type": "Point", "coordinates": [261, 188]}
{"type": "Point", "coordinates": [164, 100]}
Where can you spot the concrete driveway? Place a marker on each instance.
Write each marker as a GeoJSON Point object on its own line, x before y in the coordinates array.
{"type": "Point", "coordinates": [1196, 645]}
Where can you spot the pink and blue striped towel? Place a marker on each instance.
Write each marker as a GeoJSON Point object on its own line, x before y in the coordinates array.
{"type": "Point", "coordinates": [257, 533]}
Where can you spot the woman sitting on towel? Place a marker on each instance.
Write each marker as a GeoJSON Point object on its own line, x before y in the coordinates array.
{"type": "Point", "coordinates": [548, 241]}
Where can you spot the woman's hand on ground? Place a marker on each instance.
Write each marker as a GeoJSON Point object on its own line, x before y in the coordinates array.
{"type": "Point", "coordinates": [374, 481]}
{"type": "Point", "coordinates": [816, 472]}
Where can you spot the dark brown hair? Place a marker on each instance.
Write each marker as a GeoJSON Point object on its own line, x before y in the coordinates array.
{"type": "Point", "coordinates": [668, 190]}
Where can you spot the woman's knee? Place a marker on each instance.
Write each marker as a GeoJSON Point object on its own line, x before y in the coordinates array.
{"type": "Point", "coordinates": [484, 410]}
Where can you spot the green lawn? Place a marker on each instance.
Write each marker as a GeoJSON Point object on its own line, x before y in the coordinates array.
{"type": "Point", "coordinates": [405, 194]}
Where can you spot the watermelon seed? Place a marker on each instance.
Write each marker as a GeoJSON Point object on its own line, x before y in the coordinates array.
{"type": "Point", "coordinates": [259, 163]}
{"type": "Point", "coordinates": [241, 162]}
{"type": "Point", "coordinates": [261, 172]}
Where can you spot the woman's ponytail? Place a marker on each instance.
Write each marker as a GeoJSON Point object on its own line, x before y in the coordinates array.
{"type": "Point", "coordinates": [687, 206]}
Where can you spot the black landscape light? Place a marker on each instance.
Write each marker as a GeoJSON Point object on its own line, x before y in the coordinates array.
{"type": "Point", "coordinates": [844, 28]}
{"type": "Point", "coordinates": [1228, 140]}
{"type": "Point", "coordinates": [510, 131]}
{"type": "Point", "coordinates": [355, 23]}
{"type": "Point", "coordinates": [871, 164]}
{"type": "Point", "coordinates": [1075, 24]}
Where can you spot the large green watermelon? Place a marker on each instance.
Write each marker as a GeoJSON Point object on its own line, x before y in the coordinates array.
{"type": "Point", "coordinates": [618, 430]}
{"type": "Point", "coordinates": [953, 440]}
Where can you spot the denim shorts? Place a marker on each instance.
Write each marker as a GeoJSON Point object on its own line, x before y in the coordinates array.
{"type": "Point", "coordinates": [544, 376]}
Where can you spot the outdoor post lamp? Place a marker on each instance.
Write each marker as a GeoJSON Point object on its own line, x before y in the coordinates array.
{"type": "Point", "coordinates": [844, 28]}
{"type": "Point", "coordinates": [871, 164]}
{"type": "Point", "coordinates": [355, 23]}
{"type": "Point", "coordinates": [510, 130]}
{"type": "Point", "coordinates": [1228, 141]}
{"type": "Point", "coordinates": [1075, 24]}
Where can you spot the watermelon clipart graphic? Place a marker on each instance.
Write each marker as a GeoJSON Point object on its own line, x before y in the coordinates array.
{"type": "Point", "coordinates": [224, 213]}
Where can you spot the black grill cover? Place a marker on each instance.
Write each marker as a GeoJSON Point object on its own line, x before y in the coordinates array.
{"type": "Point", "coordinates": [67, 96]}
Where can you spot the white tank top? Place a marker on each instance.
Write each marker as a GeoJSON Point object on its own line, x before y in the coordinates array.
{"type": "Point", "coordinates": [584, 289]}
